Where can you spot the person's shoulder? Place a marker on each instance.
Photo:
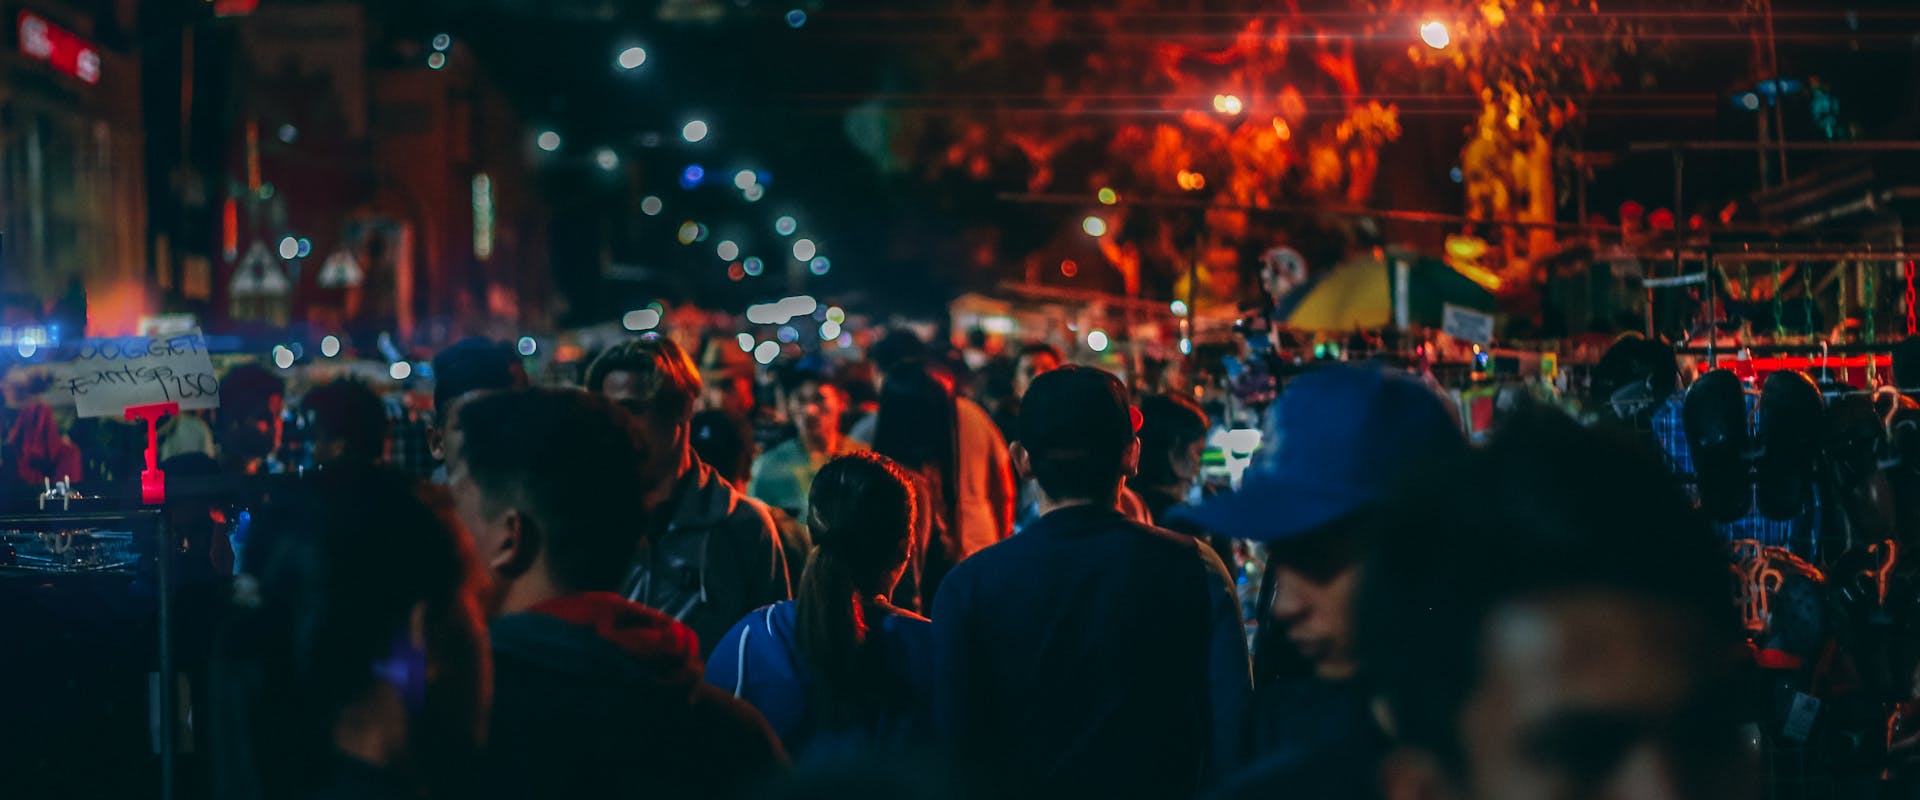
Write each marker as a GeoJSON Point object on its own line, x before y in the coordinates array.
{"type": "Point", "coordinates": [733, 727]}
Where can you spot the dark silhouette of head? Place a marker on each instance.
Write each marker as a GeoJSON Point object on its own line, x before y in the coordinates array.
{"type": "Point", "coordinates": [357, 609]}
{"type": "Point", "coordinates": [1495, 576]}
{"type": "Point", "coordinates": [349, 423]}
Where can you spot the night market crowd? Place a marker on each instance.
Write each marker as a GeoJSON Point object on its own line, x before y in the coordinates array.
{"type": "Point", "coordinates": [622, 589]}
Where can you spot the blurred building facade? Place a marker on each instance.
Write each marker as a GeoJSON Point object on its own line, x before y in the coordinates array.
{"type": "Point", "coordinates": [72, 182]}
{"type": "Point", "coordinates": [371, 182]}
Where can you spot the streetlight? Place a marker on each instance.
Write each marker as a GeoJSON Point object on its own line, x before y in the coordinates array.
{"type": "Point", "coordinates": [632, 58]}
{"type": "Point", "coordinates": [548, 141]}
{"type": "Point", "coordinates": [1434, 33]}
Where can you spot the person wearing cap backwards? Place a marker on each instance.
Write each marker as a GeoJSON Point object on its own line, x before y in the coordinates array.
{"type": "Point", "coordinates": [1090, 655]}
{"type": "Point", "coordinates": [1339, 438]}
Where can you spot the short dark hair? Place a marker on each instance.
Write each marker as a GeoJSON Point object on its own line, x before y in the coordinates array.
{"type": "Point", "coordinates": [1041, 349]}
{"type": "Point", "coordinates": [351, 412]}
{"type": "Point", "coordinates": [666, 381]}
{"type": "Point", "coordinates": [1075, 424]}
{"type": "Point", "coordinates": [1168, 424]}
{"type": "Point", "coordinates": [473, 364]}
{"type": "Point", "coordinates": [1534, 512]}
{"type": "Point", "coordinates": [572, 462]}
{"type": "Point", "coordinates": [791, 380]}
{"type": "Point", "coordinates": [897, 347]}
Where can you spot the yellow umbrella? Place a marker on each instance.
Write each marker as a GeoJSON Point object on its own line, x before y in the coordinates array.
{"type": "Point", "coordinates": [1350, 297]}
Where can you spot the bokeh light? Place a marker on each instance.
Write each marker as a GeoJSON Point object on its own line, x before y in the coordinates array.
{"type": "Point", "coordinates": [689, 232]}
{"type": "Point", "coordinates": [651, 205]}
{"type": "Point", "coordinates": [1094, 226]}
{"type": "Point", "coordinates": [836, 315]}
{"type": "Point", "coordinates": [289, 247]}
{"type": "Point", "coordinates": [632, 58]}
{"type": "Point", "coordinates": [548, 141]}
{"type": "Point", "coordinates": [692, 176]}
{"type": "Point", "coordinates": [829, 331]}
{"type": "Point", "coordinates": [785, 226]}
{"type": "Point", "coordinates": [527, 346]}
{"type": "Point", "coordinates": [1227, 104]}
{"type": "Point", "coordinates": [437, 61]}
{"type": "Point", "coordinates": [303, 247]}
{"type": "Point", "coordinates": [400, 371]}
{"type": "Point", "coordinates": [330, 345]}
{"type": "Point", "coordinates": [1108, 196]}
{"type": "Point", "coordinates": [694, 131]}
{"type": "Point", "coordinates": [606, 158]}
{"type": "Point", "coordinates": [641, 319]}
{"type": "Point", "coordinates": [1179, 308]}
{"type": "Point", "coordinates": [766, 352]}
{"type": "Point", "coordinates": [441, 42]}
{"type": "Point", "coordinates": [1434, 33]}
{"type": "Point", "coordinates": [282, 357]}
{"type": "Point", "coordinates": [754, 193]}
{"type": "Point", "coordinates": [1097, 340]}
{"type": "Point", "coordinates": [727, 250]}
{"type": "Point", "coordinates": [820, 265]}
{"type": "Point", "coordinates": [796, 18]}
{"type": "Point", "coordinates": [745, 178]}
{"type": "Point", "coordinates": [745, 341]}
{"type": "Point", "coordinates": [787, 333]}
{"type": "Point", "coordinates": [804, 250]}
{"type": "Point", "coordinates": [754, 266]}
{"type": "Point", "coordinates": [1069, 268]}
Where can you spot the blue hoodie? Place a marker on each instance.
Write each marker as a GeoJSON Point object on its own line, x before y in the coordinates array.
{"type": "Point", "coordinates": [759, 662]}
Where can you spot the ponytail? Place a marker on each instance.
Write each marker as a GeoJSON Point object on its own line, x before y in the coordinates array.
{"type": "Point", "coordinates": [861, 518]}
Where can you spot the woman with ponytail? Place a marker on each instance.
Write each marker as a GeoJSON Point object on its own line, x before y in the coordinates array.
{"type": "Point", "coordinates": [840, 669]}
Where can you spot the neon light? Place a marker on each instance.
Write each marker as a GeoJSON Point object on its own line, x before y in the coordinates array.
{"type": "Point", "coordinates": [62, 49]}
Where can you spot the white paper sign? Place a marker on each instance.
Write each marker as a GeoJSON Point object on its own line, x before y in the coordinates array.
{"type": "Point", "coordinates": [107, 376]}
{"type": "Point", "coordinates": [1467, 324]}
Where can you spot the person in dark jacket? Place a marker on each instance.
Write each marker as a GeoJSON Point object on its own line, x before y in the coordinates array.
{"type": "Point", "coordinates": [840, 671]}
{"type": "Point", "coordinates": [1336, 443]}
{"type": "Point", "coordinates": [708, 553]}
{"type": "Point", "coordinates": [1089, 656]}
{"type": "Point", "coordinates": [352, 662]}
{"type": "Point", "coordinates": [594, 695]}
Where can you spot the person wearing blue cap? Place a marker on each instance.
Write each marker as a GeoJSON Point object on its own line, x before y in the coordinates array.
{"type": "Point", "coordinates": [1338, 440]}
{"type": "Point", "coordinates": [1089, 656]}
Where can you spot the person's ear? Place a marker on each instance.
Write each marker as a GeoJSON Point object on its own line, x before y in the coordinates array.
{"type": "Point", "coordinates": [1410, 774]}
{"type": "Point", "coordinates": [519, 545]}
{"type": "Point", "coordinates": [1130, 460]}
{"type": "Point", "coordinates": [1022, 461]}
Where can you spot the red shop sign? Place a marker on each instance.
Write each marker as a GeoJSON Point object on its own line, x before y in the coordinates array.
{"type": "Point", "coordinates": [62, 49]}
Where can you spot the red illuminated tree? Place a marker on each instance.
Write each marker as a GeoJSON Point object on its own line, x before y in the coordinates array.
{"type": "Point", "coordinates": [1248, 107]}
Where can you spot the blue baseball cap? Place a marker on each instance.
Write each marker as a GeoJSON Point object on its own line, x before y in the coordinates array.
{"type": "Point", "coordinates": [1340, 437]}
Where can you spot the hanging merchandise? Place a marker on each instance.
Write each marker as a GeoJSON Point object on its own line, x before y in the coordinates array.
{"type": "Point", "coordinates": [1779, 305]}
{"type": "Point", "coordinates": [1806, 290]}
{"type": "Point", "coordinates": [1867, 297]}
{"type": "Point", "coordinates": [1911, 328]}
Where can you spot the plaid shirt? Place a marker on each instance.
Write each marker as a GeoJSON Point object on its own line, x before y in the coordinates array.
{"type": "Point", "coordinates": [407, 447]}
{"type": "Point", "coordinates": [1804, 529]}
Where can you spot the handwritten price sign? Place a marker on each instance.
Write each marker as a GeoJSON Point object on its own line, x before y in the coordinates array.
{"type": "Point", "coordinates": [108, 375]}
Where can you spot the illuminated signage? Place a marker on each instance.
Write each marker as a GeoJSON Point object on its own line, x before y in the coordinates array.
{"type": "Point", "coordinates": [66, 52]}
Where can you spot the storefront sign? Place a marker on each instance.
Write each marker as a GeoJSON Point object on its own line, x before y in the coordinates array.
{"type": "Point", "coordinates": [1467, 324]}
{"type": "Point", "coordinates": [107, 376]}
{"type": "Point", "coordinates": [62, 49]}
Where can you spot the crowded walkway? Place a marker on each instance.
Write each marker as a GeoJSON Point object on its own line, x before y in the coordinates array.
{"type": "Point", "coordinates": [521, 591]}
